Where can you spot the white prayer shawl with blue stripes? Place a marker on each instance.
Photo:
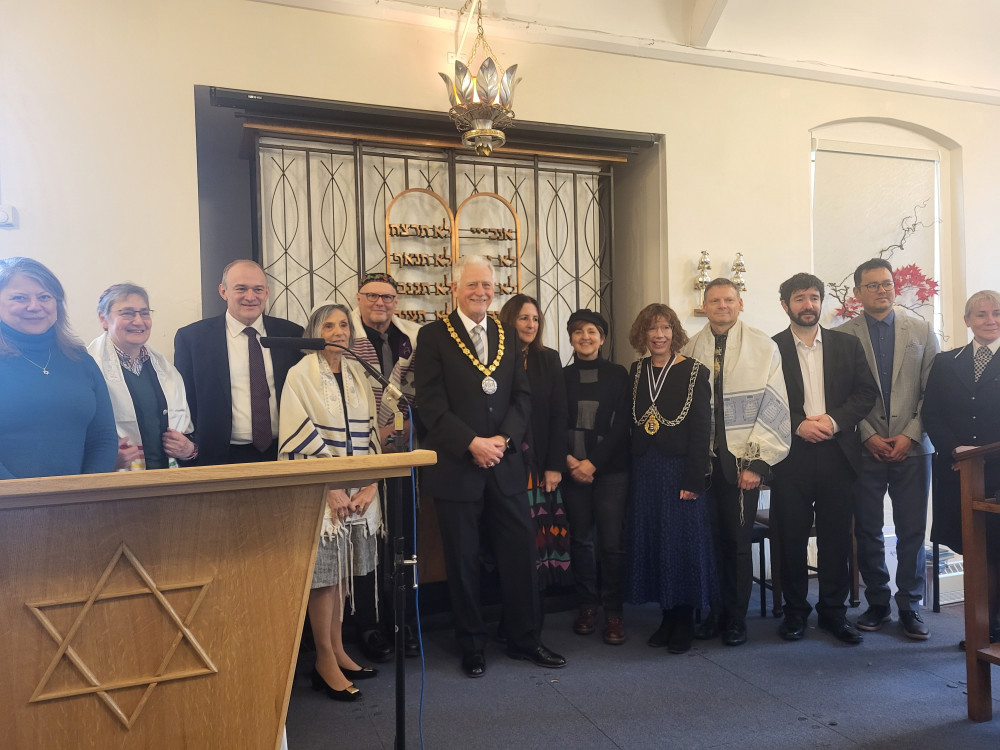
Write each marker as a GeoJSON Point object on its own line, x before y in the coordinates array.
{"type": "Point", "coordinates": [755, 404]}
{"type": "Point", "coordinates": [313, 422]}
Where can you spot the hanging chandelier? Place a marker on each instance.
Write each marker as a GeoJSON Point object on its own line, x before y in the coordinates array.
{"type": "Point", "coordinates": [481, 103]}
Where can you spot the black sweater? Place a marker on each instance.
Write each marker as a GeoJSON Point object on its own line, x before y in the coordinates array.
{"type": "Point", "coordinates": [597, 396]}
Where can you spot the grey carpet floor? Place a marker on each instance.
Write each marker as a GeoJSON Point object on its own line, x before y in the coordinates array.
{"type": "Point", "coordinates": [888, 692]}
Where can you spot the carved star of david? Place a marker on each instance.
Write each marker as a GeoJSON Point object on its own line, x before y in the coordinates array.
{"type": "Point", "coordinates": [95, 685]}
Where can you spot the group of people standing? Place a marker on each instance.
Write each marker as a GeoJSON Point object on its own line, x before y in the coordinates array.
{"type": "Point", "coordinates": [639, 486]}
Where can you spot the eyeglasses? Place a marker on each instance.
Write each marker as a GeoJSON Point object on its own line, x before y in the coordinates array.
{"type": "Point", "coordinates": [145, 313]}
{"type": "Point", "coordinates": [876, 285]}
{"type": "Point", "coordinates": [386, 298]}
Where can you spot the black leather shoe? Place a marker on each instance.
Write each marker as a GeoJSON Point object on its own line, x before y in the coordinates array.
{"type": "Point", "coordinates": [375, 646]}
{"type": "Point", "coordinates": [994, 638]}
{"type": "Point", "coordinates": [365, 673]}
{"type": "Point", "coordinates": [683, 631]}
{"type": "Point", "coordinates": [736, 634]}
{"type": "Point", "coordinates": [793, 628]}
{"type": "Point", "coordinates": [707, 630]}
{"type": "Point", "coordinates": [913, 625]}
{"type": "Point", "coordinates": [537, 655]}
{"type": "Point", "coordinates": [474, 664]}
{"type": "Point", "coordinates": [873, 618]}
{"type": "Point", "coordinates": [347, 695]}
{"type": "Point", "coordinates": [411, 644]}
{"type": "Point", "coordinates": [843, 631]}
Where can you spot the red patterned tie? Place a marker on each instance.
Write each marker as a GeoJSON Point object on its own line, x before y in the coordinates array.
{"type": "Point", "coordinates": [260, 393]}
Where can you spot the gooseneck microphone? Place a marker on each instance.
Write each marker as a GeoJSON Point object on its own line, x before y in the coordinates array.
{"type": "Point", "coordinates": [392, 393]}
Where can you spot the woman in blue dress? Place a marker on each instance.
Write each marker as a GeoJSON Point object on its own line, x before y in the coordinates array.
{"type": "Point", "coordinates": [669, 558]}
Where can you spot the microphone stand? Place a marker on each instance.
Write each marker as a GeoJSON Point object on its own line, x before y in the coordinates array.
{"type": "Point", "coordinates": [392, 396]}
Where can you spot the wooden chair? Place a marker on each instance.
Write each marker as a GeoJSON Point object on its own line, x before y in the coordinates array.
{"type": "Point", "coordinates": [979, 653]}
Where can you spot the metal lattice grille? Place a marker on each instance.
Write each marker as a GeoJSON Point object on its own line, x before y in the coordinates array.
{"type": "Point", "coordinates": [323, 208]}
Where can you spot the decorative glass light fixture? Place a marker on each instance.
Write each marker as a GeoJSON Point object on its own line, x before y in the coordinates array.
{"type": "Point", "coordinates": [481, 103]}
{"type": "Point", "coordinates": [704, 266]}
{"type": "Point", "coordinates": [739, 268]}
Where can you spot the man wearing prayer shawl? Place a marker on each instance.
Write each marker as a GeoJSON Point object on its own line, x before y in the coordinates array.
{"type": "Point", "coordinates": [751, 432]}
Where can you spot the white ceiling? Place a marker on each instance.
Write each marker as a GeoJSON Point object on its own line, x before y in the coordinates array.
{"type": "Point", "coordinates": [919, 46]}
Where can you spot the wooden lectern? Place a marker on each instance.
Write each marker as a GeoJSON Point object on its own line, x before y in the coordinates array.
{"type": "Point", "coordinates": [979, 653]}
{"type": "Point", "coordinates": [161, 609]}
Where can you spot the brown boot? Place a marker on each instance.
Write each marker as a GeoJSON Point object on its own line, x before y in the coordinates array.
{"type": "Point", "coordinates": [614, 630]}
{"type": "Point", "coordinates": [585, 622]}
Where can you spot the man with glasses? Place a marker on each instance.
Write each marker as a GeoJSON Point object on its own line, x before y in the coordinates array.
{"type": "Point", "coordinates": [233, 383]}
{"type": "Point", "coordinates": [896, 454]}
{"type": "Point", "coordinates": [388, 344]}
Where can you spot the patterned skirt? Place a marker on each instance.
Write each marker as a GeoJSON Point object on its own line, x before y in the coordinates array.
{"type": "Point", "coordinates": [350, 553]}
{"type": "Point", "coordinates": [551, 537]}
{"type": "Point", "coordinates": [669, 554]}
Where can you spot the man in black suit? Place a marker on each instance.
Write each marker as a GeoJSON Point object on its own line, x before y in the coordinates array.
{"type": "Point", "coordinates": [830, 389]}
{"type": "Point", "coordinates": [475, 402]}
{"type": "Point", "coordinates": [233, 384]}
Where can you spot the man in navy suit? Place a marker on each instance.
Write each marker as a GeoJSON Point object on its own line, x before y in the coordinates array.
{"type": "Point", "coordinates": [233, 384]}
{"type": "Point", "coordinates": [475, 402]}
{"type": "Point", "coordinates": [830, 390]}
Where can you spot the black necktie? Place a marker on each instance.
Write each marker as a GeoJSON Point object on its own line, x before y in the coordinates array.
{"type": "Point", "coordinates": [387, 362]}
{"type": "Point", "coordinates": [720, 409]}
{"type": "Point", "coordinates": [260, 393]}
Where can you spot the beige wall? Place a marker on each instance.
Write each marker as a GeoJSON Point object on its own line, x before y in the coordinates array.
{"type": "Point", "coordinates": [97, 144]}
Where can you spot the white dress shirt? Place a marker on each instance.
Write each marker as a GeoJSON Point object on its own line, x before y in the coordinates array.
{"type": "Point", "coordinates": [239, 379]}
{"type": "Point", "coordinates": [813, 382]}
{"type": "Point", "coordinates": [976, 346]}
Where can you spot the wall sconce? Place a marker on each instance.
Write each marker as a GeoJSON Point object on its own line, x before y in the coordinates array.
{"type": "Point", "coordinates": [702, 280]}
{"type": "Point", "coordinates": [739, 268]}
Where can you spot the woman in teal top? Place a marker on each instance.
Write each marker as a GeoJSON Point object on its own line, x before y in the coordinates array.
{"type": "Point", "coordinates": [55, 413]}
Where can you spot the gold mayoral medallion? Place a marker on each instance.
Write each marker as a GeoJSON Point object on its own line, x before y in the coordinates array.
{"type": "Point", "coordinates": [489, 382]}
{"type": "Point", "coordinates": [652, 425]}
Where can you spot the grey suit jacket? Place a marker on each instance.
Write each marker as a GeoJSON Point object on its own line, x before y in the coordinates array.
{"type": "Point", "coordinates": [916, 347]}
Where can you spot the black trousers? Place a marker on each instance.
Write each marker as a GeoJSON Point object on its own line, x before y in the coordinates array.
{"type": "Point", "coordinates": [247, 454]}
{"type": "Point", "coordinates": [816, 481]}
{"type": "Point", "coordinates": [506, 522]}
{"type": "Point", "coordinates": [733, 545]}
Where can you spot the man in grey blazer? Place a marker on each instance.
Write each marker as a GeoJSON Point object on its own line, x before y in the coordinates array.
{"type": "Point", "coordinates": [900, 348]}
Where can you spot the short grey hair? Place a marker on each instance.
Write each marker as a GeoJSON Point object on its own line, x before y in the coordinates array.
{"type": "Point", "coordinates": [116, 293]}
{"type": "Point", "coordinates": [985, 295]}
{"type": "Point", "coordinates": [225, 271]}
{"type": "Point", "coordinates": [472, 260]}
{"type": "Point", "coordinates": [314, 326]}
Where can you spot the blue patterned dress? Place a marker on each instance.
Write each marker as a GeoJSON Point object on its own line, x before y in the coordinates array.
{"type": "Point", "coordinates": [669, 558]}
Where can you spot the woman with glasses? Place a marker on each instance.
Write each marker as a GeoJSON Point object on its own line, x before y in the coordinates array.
{"type": "Point", "coordinates": [147, 392]}
{"type": "Point", "coordinates": [55, 413]}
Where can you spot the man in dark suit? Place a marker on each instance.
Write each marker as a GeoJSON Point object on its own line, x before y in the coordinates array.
{"type": "Point", "coordinates": [830, 390]}
{"type": "Point", "coordinates": [233, 384]}
{"type": "Point", "coordinates": [475, 402]}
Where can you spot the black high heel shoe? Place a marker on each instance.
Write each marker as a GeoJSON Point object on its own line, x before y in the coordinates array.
{"type": "Point", "coordinates": [347, 695]}
{"type": "Point", "coordinates": [365, 673]}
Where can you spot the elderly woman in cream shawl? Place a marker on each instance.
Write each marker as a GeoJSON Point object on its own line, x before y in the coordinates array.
{"type": "Point", "coordinates": [328, 409]}
{"type": "Point", "coordinates": [147, 392]}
